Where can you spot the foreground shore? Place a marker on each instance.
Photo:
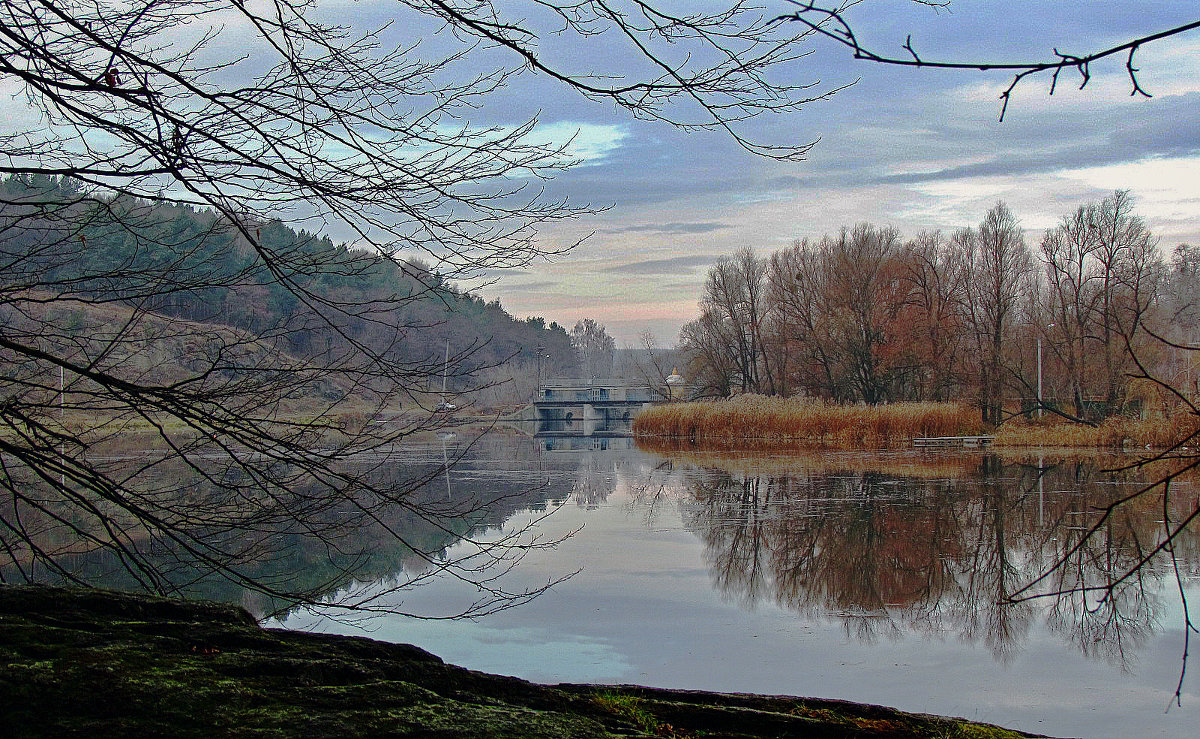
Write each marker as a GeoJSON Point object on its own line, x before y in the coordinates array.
{"type": "Point", "coordinates": [99, 663]}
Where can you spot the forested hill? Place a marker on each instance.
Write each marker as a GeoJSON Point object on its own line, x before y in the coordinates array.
{"type": "Point", "coordinates": [264, 279]}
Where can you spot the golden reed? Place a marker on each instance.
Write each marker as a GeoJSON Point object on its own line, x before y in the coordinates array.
{"type": "Point", "coordinates": [749, 421]}
{"type": "Point", "coordinates": [1119, 432]}
{"type": "Point", "coordinates": [757, 418]}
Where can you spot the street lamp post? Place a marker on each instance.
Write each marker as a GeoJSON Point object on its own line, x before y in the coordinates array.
{"type": "Point", "coordinates": [541, 354]}
{"type": "Point", "coordinates": [538, 395]}
{"type": "Point", "coordinates": [1041, 410]}
{"type": "Point", "coordinates": [1039, 360]}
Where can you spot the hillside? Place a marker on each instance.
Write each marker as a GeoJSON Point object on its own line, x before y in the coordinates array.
{"type": "Point", "coordinates": [308, 296]}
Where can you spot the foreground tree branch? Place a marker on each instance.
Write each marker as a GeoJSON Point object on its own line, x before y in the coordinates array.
{"type": "Point", "coordinates": [189, 388]}
{"type": "Point", "coordinates": [832, 23]}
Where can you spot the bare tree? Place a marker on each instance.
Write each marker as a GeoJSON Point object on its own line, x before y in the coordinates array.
{"type": "Point", "coordinates": [1129, 270]}
{"type": "Point", "coordinates": [654, 365]}
{"type": "Point", "coordinates": [999, 263]}
{"type": "Point", "coordinates": [1070, 296]}
{"type": "Point", "coordinates": [822, 317]}
{"type": "Point", "coordinates": [752, 272]}
{"type": "Point", "coordinates": [712, 359]}
{"type": "Point", "coordinates": [734, 309]}
{"type": "Point", "coordinates": [864, 294]}
{"type": "Point", "coordinates": [797, 288]}
{"type": "Point", "coordinates": [1100, 262]}
{"type": "Point", "coordinates": [933, 269]}
{"type": "Point", "coordinates": [1182, 290]}
{"type": "Point", "coordinates": [595, 349]}
{"type": "Point", "coordinates": [1180, 302]}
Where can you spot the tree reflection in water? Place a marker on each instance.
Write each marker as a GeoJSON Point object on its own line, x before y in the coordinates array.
{"type": "Point", "coordinates": [890, 545]}
{"type": "Point", "coordinates": [351, 553]}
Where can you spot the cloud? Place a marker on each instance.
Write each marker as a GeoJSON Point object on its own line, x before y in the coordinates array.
{"type": "Point", "coordinates": [1164, 129]}
{"type": "Point", "coordinates": [1001, 166]}
{"type": "Point", "coordinates": [492, 274]}
{"type": "Point", "coordinates": [1163, 188]}
{"type": "Point", "coordinates": [584, 143]}
{"type": "Point", "coordinates": [916, 150]}
{"type": "Point", "coordinates": [540, 286]}
{"type": "Point", "coordinates": [1174, 130]}
{"type": "Point", "coordinates": [672, 266]}
{"type": "Point", "coordinates": [672, 228]}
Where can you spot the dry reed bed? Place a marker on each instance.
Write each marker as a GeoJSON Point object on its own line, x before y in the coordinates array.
{"type": "Point", "coordinates": [748, 422]}
{"type": "Point", "coordinates": [756, 418]}
{"type": "Point", "coordinates": [1114, 433]}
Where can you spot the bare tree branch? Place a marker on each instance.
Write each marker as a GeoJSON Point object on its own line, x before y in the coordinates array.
{"type": "Point", "coordinates": [152, 298]}
{"type": "Point", "coordinates": [832, 23]}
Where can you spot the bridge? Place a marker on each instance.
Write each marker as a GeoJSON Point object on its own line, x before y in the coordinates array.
{"type": "Point", "coordinates": [595, 407]}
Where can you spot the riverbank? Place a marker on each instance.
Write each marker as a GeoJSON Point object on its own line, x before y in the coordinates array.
{"type": "Point", "coordinates": [749, 420]}
{"type": "Point", "coordinates": [100, 663]}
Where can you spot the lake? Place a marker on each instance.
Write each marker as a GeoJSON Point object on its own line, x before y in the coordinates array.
{"type": "Point", "coordinates": [873, 577]}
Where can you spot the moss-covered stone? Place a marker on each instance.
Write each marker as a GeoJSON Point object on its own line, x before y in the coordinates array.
{"type": "Point", "coordinates": [79, 662]}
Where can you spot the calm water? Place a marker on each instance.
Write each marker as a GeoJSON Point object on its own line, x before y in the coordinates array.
{"type": "Point", "coordinates": [872, 578]}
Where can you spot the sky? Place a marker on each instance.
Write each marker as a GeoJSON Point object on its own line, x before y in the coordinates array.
{"type": "Point", "coordinates": [913, 149]}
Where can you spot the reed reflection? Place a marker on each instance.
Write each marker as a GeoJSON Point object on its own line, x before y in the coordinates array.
{"type": "Point", "coordinates": [892, 545]}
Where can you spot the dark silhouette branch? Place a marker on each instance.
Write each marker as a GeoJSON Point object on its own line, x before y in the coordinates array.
{"type": "Point", "coordinates": [832, 23]}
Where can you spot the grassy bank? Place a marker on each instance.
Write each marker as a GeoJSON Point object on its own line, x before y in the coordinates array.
{"type": "Point", "coordinates": [756, 418]}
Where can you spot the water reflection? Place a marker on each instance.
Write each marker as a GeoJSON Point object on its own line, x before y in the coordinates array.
{"type": "Point", "coordinates": [891, 546]}
{"type": "Point", "coordinates": [453, 486]}
{"type": "Point", "coordinates": [567, 425]}
{"type": "Point", "coordinates": [585, 443]}
{"type": "Point", "coordinates": [885, 545]}
{"type": "Point", "coordinates": [874, 578]}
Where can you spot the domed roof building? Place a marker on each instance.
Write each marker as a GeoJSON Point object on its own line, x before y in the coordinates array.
{"type": "Point", "coordinates": [675, 385]}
